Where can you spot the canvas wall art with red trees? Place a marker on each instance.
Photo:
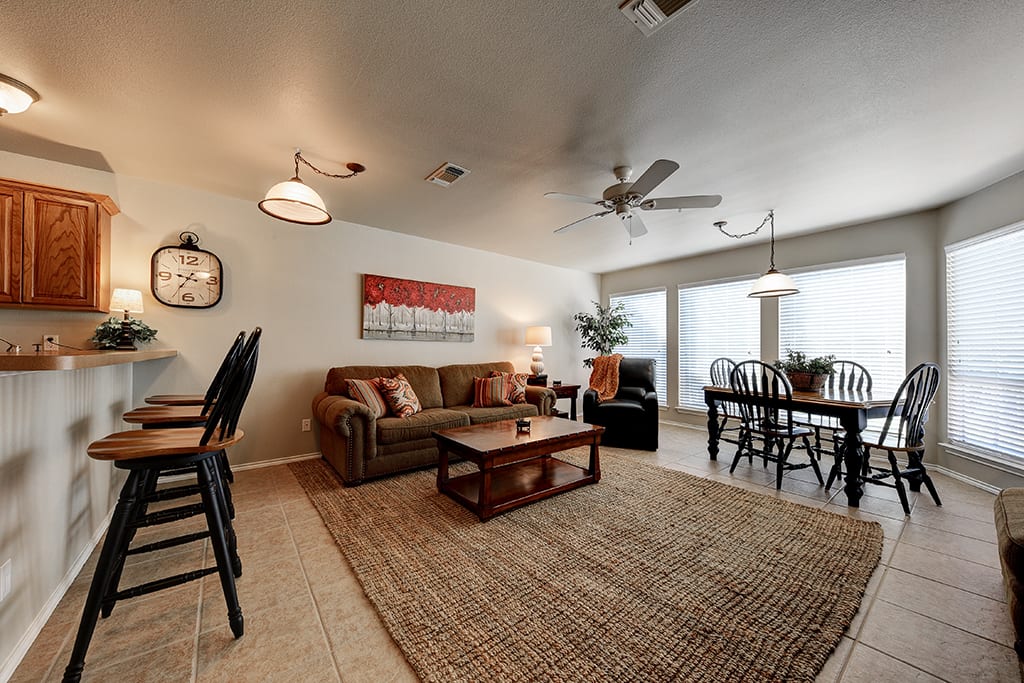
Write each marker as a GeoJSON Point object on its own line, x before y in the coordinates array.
{"type": "Point", "coordinates": [411, 310]}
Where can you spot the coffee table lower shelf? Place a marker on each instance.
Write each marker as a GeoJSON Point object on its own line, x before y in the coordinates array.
{"type": "Point", "coordinates": [517, 484]}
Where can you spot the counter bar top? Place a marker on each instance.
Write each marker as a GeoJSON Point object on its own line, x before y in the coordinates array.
{"type": "Point", "coordinates": [76, 360]}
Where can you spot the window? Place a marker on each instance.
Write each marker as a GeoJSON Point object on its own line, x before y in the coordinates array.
{"type": "Point", "coordinates": [985, 342]}
{"type": "Point", "coordinates": [855, 312]}
{"type": "Point", "coordinates": [646, 310]}
{"type": "Point", "coordinates": [715, 320]}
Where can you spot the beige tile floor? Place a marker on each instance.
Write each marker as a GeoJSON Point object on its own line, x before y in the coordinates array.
{"type": "Point", "coordinates": [934, 609]}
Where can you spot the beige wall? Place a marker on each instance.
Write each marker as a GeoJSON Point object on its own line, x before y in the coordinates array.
{"type": "Point", "coordinates": [303, 286]}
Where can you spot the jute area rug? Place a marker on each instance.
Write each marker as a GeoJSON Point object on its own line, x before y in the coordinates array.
{"type": "Point", "coordinates": [649, 575]}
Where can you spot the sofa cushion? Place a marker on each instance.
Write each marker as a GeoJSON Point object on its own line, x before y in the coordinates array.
{"type": "Point", "coordinates": [391, 430]}
{"type": "Point", "coordinates": [457, 380]}
{"type": "Point", "coordinates": [479, 415]}
{"type": "Point", "coordinates": [424, 380]}
{"type": "Point", "coordinates": [519, 384]}
{"type": "Point", "coordinates": [491, 391]}
{"type": "Point", "coordinates": [400, 396]}
{"type": "Point", "coordinates": [367, 392]}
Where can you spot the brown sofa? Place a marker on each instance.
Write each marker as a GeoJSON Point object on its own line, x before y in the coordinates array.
{"type": "Point", "coordinates": [360, 446]}
{"type": "Point", "coordinates": [1009, 518]}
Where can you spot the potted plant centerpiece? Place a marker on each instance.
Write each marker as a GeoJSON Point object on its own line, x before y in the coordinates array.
{"type": "Point", "coordinates": [602, 331]}
{"type": "Point", "coordinates": [806, 374]}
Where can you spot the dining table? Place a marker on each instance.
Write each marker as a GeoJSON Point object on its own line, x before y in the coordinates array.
{"type": "Point", "coordinates": [852, 408]}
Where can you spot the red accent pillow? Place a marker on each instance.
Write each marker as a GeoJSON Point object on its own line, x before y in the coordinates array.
{"type": "Point", "coordinates": [367, 392]}
{"type": "Point", "coordinates": [518, 383]}
{"type": "Point", "coordinates": [399, 394]}
{"type": "Point", "coordinates": [491, 391]}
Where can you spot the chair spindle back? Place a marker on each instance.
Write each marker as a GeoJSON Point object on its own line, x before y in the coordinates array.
{"type": "Point", "coordinates": [235, 389]}
{"type": "Point", "coordinates": [908, 411]}
{"type": "Point", "coordinates": [764, 386]}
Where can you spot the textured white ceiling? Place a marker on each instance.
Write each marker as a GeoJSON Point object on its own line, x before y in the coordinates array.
{"type": "Point", "coordinates": [830, 112]}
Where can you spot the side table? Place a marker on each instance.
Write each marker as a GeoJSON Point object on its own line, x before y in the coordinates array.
{"type": "Point", "coordinates": [569, 391]}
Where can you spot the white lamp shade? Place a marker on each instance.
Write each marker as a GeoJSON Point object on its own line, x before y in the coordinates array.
{"type": "Point", "coordinates": [773, 283]}
{"type": "Point", "coordinates": [538, 336]}
{"type": "Point", "coordinates": [15, 96]}
{"type": "Point", "coordinates": [295, 202]}
{"type": "Point", "coordinates": [129, 300]}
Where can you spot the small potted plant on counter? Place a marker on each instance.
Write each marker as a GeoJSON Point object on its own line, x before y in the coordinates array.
{"type": "Point", "coordinates": [805, 374]}
{"type": "Point", "coordinates": [109, 332]}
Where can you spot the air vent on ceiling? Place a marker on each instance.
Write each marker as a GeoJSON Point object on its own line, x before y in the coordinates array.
{"type": "Point", "coordinates": [446, 174]}
{"type": "Point", "coordinates": [650, 15]}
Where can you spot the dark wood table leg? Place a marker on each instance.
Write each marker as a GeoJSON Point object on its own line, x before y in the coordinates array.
{"type": "Point", "coordinates": [853, 452]}
{"type": "Point", "coordinates": [572, 408]}
{"type": "Point", "coordinates": [484, 511]}
{"type": "Point", "coordinates": [442, 465]}
{"type": "Point", "coordinates": [595, 461]}
{"type": "Point", "coordinates": [712, 427]}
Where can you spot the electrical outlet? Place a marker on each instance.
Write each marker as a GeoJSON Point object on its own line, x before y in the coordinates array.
{"type": "Point", "coordinates": [306, 425]}
{"type": "Point", "coordinates": [50, 342]}
{"type": "Point", "coordinates": [5, 580]}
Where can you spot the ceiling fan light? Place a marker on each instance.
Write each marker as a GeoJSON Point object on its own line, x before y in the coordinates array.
{"type": "Point", "coordinates": [295, 202]}
{"type": "Point", "coordinates": [15, 96]}
{"type": "Point", "coordinates": [773, 284]}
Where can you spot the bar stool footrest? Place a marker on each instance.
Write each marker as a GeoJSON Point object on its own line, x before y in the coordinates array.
{"type": "Point", "coordinates": [169, 515]}
{"type": "Point", "coordinates": [160, 584]}
{"type": "Point", "coordinates": [168, 543]}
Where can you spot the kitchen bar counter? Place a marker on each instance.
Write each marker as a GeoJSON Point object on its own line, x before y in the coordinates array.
{"type": "Point", "coordinates": [66, 359]}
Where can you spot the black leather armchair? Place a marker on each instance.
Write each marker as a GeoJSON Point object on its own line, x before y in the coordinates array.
{"type": "Point", "coordinates": [631, 418]}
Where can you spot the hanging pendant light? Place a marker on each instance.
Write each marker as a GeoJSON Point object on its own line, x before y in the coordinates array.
{"type": "Point", "coordinates": [773, 283]}
{"type": "Point", "coordinates": [296, 202]}
{"type": "Point", "coordinates": [15, 96]}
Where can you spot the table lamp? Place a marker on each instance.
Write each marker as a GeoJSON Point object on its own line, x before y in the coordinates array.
{"type": "Point", "coordinates": [129, 301]}
{"type": "Point", "coordinates": [538, 337]}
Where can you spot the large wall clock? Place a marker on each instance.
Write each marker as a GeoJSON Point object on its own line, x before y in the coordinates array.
{"type": "Point", "coordinates": [185, 275]}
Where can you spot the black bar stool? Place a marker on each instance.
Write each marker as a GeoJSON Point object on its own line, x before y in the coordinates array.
{"type": "Point", "coordinates": [211, 391]}
{"type": "Point", "coordinates": [147, 453]}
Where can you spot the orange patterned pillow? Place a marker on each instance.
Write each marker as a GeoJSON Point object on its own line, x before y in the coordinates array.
{"type": "Point", "coordinates": [491, 391]}
{"type": "Point", "coordinates": [518, 381]}
{"type": "Point", "coordinates": [399, 394]}
{"type": "Point", "coordinates": [367, 392]}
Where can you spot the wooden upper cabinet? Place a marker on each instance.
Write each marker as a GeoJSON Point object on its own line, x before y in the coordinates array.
{"type": "Point", "coordinates": [55, 248]}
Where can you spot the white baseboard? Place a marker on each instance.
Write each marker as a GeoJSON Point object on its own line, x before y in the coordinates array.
{"type": "Point", "coordinates": [971, 481]}
{"type": "Point", "coordinates": [276, 461]}
{"type": "Point", "coordinates": [29, 637]}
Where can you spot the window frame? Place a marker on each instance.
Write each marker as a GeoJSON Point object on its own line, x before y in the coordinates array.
{"type": "Point", "coordinates": [661, 363]}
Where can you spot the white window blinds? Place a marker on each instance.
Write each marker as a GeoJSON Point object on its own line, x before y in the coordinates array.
{"type": "Point", "coordinates": [856, 313]}
{"type": "Point", "coordinates": [985, 343]}
{"type": "Point", "coordinates": [647, 337]}
{"type": "Point", "coordinates": [714, 320]}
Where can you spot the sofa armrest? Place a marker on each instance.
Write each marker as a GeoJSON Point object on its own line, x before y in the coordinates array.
{"type": "Point", "coordinates": [348, 434]}
{"type": "Point", "coordinates": [589, 401]}
{"type": "Point", "coordinates": [651, 403]}
{"type": "Point", "coordinates": [542, 397]}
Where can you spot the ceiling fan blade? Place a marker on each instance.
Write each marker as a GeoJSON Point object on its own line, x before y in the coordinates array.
{"type": "Point", "coordinates": [652, 177]}
{"type": "Point", "coordinates": [585, 218]}
{"type": "Point", "coordinates": [634, 226]}
{"type": "Point", "coordinates": [699, 201]}
{"type": "Point", "coordinates": [573, 198]}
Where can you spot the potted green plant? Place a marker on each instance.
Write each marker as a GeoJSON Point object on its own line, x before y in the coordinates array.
{"type": "Point", "coordinates": [602, 331]}
{"type": "Point", "coordinates": [106, 335]}
{"type": "Point", "coordinates": [806, 374]}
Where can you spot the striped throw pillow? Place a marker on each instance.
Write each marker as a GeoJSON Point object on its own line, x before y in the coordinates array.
{"type": "Point", "coordinates": [491, 391]}
{"type": "Point", "coordinates": [518, 381]}
{"type": "Point", "coordinates": [400, 397]}
{"type": "Point", "coordinates": [366, 391]}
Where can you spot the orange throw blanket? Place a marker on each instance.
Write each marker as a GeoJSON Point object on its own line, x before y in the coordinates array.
{"type": "Point", "coordinates": [605, 377]}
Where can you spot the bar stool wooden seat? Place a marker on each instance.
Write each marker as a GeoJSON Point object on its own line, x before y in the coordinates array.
{"type": "Point", "coordinates": [164, 416]}
{"type": "Point", "coordinates": [211, 391]}
{"type": "Point", "coordinates": [145, 454]}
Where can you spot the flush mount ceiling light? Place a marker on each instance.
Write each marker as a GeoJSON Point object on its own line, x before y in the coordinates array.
{"type": "Point", "coordinates": [15, 96]}
{"type": "Point", "coordinates": [296, 202]}
{"type": "Point", "coordinates": [772, 283]}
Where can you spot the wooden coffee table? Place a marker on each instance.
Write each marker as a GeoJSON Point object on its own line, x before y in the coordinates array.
{"type": "Point", "coordinates": [516, 468]}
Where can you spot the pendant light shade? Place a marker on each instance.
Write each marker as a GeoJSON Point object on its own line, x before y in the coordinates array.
{"type": "Point", "coordinates": [773, 283]}
{"type": "Point", "coordinates": [295, 202]}
{"type": "Point", "coordinates": [15, 96]}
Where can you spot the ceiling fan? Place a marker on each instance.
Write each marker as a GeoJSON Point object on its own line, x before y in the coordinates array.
{"type": "Point", "coordinates": [623, 197]}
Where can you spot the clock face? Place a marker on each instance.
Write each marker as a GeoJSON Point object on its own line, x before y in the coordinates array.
{"type": "Point", "coordinates": [187, 277]}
